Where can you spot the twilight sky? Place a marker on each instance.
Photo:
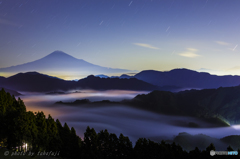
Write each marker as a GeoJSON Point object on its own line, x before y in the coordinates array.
{"type": "Point", "coordinates": [162, 35]}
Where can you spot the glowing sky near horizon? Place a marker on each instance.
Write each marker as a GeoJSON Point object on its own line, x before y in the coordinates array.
{"type": "Point", "coordinates": [128, 34]}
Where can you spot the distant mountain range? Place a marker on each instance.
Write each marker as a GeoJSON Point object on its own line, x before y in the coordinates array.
{"type": "Point", "coordinates": [60, 63]}
{"type": "Point", "coordinates": [36, 82]}
{"type": "Point", "coordinates": [174, 81]}
{"type": "Point", "coordinates": [184, 78]}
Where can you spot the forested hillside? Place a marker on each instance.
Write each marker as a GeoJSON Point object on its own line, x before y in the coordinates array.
{"type": "Point", "coordinates": [221, 103]}
{"type": "Point", "coordinates": [20, 127]}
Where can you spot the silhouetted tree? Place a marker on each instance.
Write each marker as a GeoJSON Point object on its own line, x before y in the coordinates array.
{"type": "Point", "coordinates": [54, 141]}
{"type": "Point", "coordinates": [76, 142]}
{"type": "Point", "coordinates": [103, 144]}
{"type": "Point", "coordinates": [90, 144]}
{"type": "Point", "coordinates": [229, 148]}
{"type": "Point", "coordinates": [124, 147]}
{"type": "Point", "coordinates": [42, 137]}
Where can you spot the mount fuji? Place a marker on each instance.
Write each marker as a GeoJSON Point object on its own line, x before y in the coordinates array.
{"type": "Point", "coordinates": [61, 64]}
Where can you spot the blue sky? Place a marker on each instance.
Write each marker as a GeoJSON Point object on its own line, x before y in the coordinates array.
{"type": "Point", "coordinates": [139, 35]}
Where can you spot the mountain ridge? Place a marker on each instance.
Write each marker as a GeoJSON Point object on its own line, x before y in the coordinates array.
{"type": "Point", "coordinates": [38, 82]}
{"type": "Point", "coordinates": [186, 78]}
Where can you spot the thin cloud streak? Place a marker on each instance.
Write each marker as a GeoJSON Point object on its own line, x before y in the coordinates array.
{"type": "Point", "coordinates": [146, 45]}
{"type": "Point", "coordinates": [222, 43]}
{"type": "Point", "coordinates": [190, 53]}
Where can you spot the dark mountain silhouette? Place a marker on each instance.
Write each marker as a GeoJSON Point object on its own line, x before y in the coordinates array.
{"type": "Point", "coordinates": [36, 82]}
{"type": "Point", "coordinates": [92, 82]}
{"type": "Point", "coordinates": [185, 79]}
{"type": "Point", "coordinates": [2, 80]}
{"type": "Point", "coordinates": [12, 92]}
{"type": "Point", "coordinates": [60, 63]}
{"type": "Point", "coordinates": [221, 103]}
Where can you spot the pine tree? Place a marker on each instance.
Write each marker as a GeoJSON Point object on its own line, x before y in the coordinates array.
{"type": "Point", "coordinates": [124, 147]}
{"type": "Point", "coordinates": [42, 137]}
{"type": "Point", "coordinates": [103, 144]}
{"type": "Point", "coordinates": [54, 141]}
{"type": "Point", "coordinates": [90, 144]}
